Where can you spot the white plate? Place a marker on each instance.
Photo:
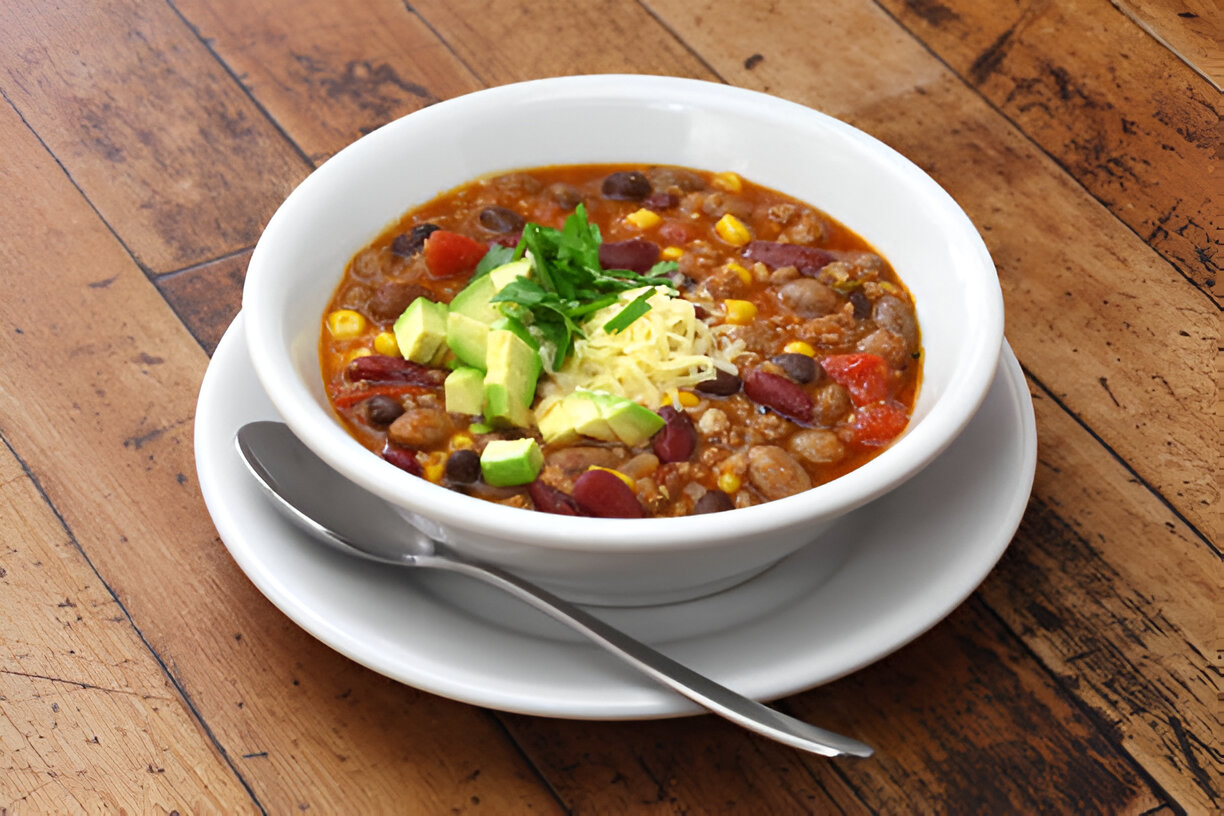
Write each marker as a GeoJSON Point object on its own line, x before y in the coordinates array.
{"type": "Point", "coordinates": [912, 557]}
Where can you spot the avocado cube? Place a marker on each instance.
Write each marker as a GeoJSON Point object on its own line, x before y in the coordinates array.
{"type": "Point", "coordinates": [475, 299]}
{"type": "Point", "coordinates": [468, 338]}
{"type": "Point", "coordinates": [586, 418]}
{"type": "Point", "coordinates": [506, 462]}
{"type": "Point", "coordinates": [556, 425]}
{"type": "Point", "coordinates": [464, 388]}
{"type": "Point", "coordinates": [633, 424]}
{"type": "Point", "coordinates": [421, 330]}
{"type": "Point", "coordinates": [510, 379]}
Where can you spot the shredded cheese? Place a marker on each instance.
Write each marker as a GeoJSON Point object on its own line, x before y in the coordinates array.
{"type": "Point", "coordinates": [663, 350]}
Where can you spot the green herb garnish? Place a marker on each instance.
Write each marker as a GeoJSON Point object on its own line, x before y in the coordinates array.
{"type": "Point", "coordinates": [568, 283]}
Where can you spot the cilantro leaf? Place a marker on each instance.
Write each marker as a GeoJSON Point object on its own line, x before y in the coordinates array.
{"type": "Point", "coordinates": [495, 257]}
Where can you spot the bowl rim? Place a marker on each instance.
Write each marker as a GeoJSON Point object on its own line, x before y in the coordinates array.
{"type": "Point", "coordinates": [907, 456]}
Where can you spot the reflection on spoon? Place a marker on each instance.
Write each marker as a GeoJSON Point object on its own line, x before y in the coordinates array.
{"type": "Point", "coordinates": [358, 523]}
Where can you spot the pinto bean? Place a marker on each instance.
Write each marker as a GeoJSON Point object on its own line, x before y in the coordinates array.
{"type": "Point", "coordinates": [808, 298]}
{"type": "Point", "coordinates": [832, 402]}
{"type": "Point", "coordinates": [714, 501]}
{"type": "Point", "coordinates": [567, 196]}
{"type": "Point", "coordinates": [884, 343]}
{"type": "Point", "coordinates": [575, 459]}
{"type": "Point", "coordinates": [664, 178]}
{"type": "Point", "coordinates": [420, 428]}
{"type": "Point", "coordinates": [775, 472]}
{"type": "Point", "coordinates": [817, 445]}
{"type": "Point", "coordinates": [894, 314]}
{"type": "Point", "coordinates": [392, 298]}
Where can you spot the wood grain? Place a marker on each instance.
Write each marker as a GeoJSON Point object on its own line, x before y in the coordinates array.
{"type": "Point", "coordinates": [355, 67]}
{"type": "Point", "coordinates": [1078, 285]}
{"type": "Point", "coordinates": [80, 693]}
{"type": "Point", "coordinates": [109, 440]}
{"type": "Point", "coordinates": [1139, 129]}
{"type": "Point", "coordinates": [207, 297]}
{"type": "Point", "coordinates": [185, 170]}
{"type": "Point", "coordinates": [1192, 29]}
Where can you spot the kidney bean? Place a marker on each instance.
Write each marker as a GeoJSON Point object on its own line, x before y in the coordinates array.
{"type": "Point", "coordinates": [724, 384]}
{"type": "Point", "coordinates": [629, 185]}
{"type": "Point", "coordinates": [636, 254]}
{"type": "Point", "coordinates": [381, 369]}
{"type": "Point", "coordinates": [660, 201]}
{"type": "Point", "coordinates": [799, 367]}
{"type": "Point", "coordinates": [603, 494]}
{"type": "Point", "coordinates": [382, 410]}
{"type": "Point", "coordinates": [410, 243]}
{"type": "Point", "coordinates": [551, 500]}
{"type": "Point", "coordinates": [403, 458]}
{"type": "Point", "coordinates": [500, 220]}
{"type": "Point", "coordinates": [463, 466]}
{"type": "Point", "coordinates": [714, 501]}
{"type": "Point", "coordinates": [780, 394]}
{"type": "Point", "coordinates": [677, 439]}
{"type": "Point", "coordinates": [807, 259]}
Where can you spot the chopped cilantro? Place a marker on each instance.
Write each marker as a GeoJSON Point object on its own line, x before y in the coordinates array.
{"type": "Point", "coordinates": [635, 309]}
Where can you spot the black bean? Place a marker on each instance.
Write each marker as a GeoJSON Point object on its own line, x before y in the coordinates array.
{"type": "Point", "coordinates": [463, 467]}
{"type": "Point", "coordinates": [500, 220]}
{"type": "Point", "coordinates": [862, 305]}
{"type": "Point", "coordinates": [799, 367]}
{"type": "Point", "coordinates": [724, 384]}
{"type": "Point", "coordinates": [383, 410]}
{"type": "Point", "coordinates": [408, 244]}
{"type": "Point", "coordinates": [627, 185]}
{"type": "Point", "coordinates": [714, 501]}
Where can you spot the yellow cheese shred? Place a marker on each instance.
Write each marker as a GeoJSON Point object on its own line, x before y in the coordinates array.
{"type": "Point", "coordinates": [663, 350]}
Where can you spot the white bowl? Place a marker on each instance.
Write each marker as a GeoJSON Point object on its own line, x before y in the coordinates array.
{"type": "Point", "coordinates": [870, 188]}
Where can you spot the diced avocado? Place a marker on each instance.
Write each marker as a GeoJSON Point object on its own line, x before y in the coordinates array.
{"type": "Point", "coordinates": [632, 423]}
{"type": "Point", "coordinates": [474, 300]}
{"type": "Point", "coordinates": [468, 338]}
{"type": "Point", "coordinates": [556, 425]}
{"type": "Point", "coordinates": [586, 418]}
{"type": "Point", "coordinates": [464, 389]}
{"type": "Point", "coordinates": [506, 462]}
{"type": "Point", "coordinates": [520, 331]}
{"type": "Point", "coordinates": [421, 330]}
{"type": "Point", "coordinates": [510, 381]}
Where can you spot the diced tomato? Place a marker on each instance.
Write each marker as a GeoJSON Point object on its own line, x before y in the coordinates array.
{"type": "Point", "coordinates": [865, 376]}
{"type": "Point", "coordinates": [450, 255]}
{"type": "Point", "coordinates": [878, 424]}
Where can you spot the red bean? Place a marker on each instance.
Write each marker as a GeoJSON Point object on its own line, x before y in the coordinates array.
{"type": "Point", "coordinates": [381, 369]}
{"type": "Point", "coordinates": [603, 494]}
{"type": "Point", "coordinates": [780, 394]}
{"type": "Point", "coordinates": [636, 254]}
{"type": "Point", "coordinates": [807, 259]}
{"type": "Point", "coordinates": [403, 458]}
{"type": "Point", "coordinates": [549, 499]}
{"type": "Point", "coordinates": [660, 201]}
{"type": "Point", "coordinates": [677, 439]}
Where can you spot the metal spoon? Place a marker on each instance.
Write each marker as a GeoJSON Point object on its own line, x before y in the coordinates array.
{"type": "Point", "coordinates": [356, 522]}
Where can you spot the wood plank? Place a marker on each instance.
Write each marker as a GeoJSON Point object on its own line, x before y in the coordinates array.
{"type": "Point", "coordinates": [184, 170]}
{"type": "Point", "coordinates": [206, 298]}
{"type": "Point", "coordinates": [77, 683]}
{"type": "Point", "coordinates": [1107, 326]}
{"type": "Point", "coordinates": [557, 39]}
{"type": "Point", "coordinates": [1139, 129]}
{"type": "Point", "coordinates": [1192, 29]}
{"type": "Point", "coordinates": [354, 67]}
{"type": "Point", "coordinates": [1097, 553]}
{"type": "Point", "coordinates": [109, 439]}
{"type": "Point", "coordinates": [971, 724]}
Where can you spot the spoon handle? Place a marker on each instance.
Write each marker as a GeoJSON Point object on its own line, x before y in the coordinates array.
{"type": "Point", "coordinates": [714, 696]}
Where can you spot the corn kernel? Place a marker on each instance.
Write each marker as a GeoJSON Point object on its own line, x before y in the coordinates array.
{"type": "Point", "coordinates": [385, 343]}
{"type": "Point", "coordinates": [462, 441]}
{"type": "Point", "coordinates": [740, 312]}
{"type": "Point", "coordinates": [799, 347]}
{"type": "Point", "coordinates": [688, 399]}
{"type": "Point", "coordinates": [728, 482]}
{"type": "Point", "coordinates": [732, 230]}
{"type": "Point", "coordinates": [345, 324]}
{"type": "Point", "coordinates": [728, 181]}
{"type": "Point", "coordinates": [435, 466]}
{"type": "Point", "coordinates": [671, 253]}
{"type": "Point", "coordinates": [739, 270]}
{"type": "Point", "coordinates": [644, 218]}
{"type": "Point", "coordinates": [353, 354]}
{"type": "Point", "coordinates": [632, 485]}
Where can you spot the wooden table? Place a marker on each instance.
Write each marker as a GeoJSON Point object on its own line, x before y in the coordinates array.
{"type": "Point", "coordinates": [146, 143]}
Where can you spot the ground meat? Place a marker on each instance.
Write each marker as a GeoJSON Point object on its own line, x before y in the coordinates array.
{"type": "Point", "coordinates": [768, 427]}
{"type": "Point", "coordinates": [834, 329]}
{"type": "Point", "coordinates": [713, 422]}
{"type": "Point", "coordinates": [782, 213]}
{"type": "Point", "coordinates": [831, 403]}
{"type": "Point", "coordinates": [517, 182]}
{"type": "Point", "coordinates": [783, 274]}
{"type": "Point", "coordinates": [563, 465]}
{"type": "Point", "coordinates": [718, 203]}
{"type": "Point", "coordinates": [891, 347]}
{"type": "Point", "coordinates": [775, 472]}
{"type": "Point", "coordinates": [420, 428]}
{"type": "Point", "coordinates": [807, 229]}
{"type": "Point", "coordinates": [723, 283]}
{"type": "Point", "coordinates": [807, 297]}
{"type": "Point", "coordinates": [817, 445]}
